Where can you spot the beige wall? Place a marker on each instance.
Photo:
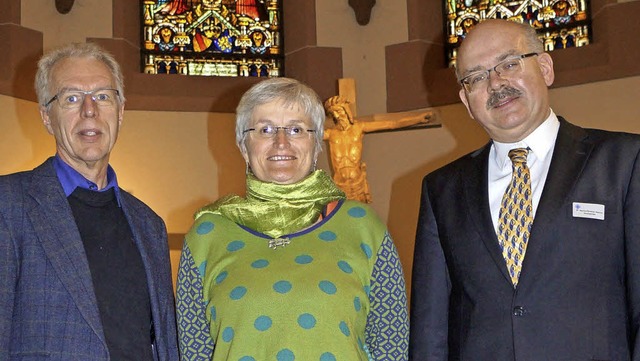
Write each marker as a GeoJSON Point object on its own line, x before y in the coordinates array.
{"type": "Point", "coordinates": [88, 19]}
{"type": "Point", "coordinates": [177, 162]}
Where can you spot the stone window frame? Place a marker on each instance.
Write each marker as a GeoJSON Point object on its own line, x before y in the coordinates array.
{"type": "Point", "coordinates": [320, 67]}
{"type": "Point", "coordinates": [416, 73]}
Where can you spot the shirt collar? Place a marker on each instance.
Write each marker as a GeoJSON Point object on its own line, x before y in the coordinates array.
{"type": "Point", "coordinates": [70, 179]}
{"type": "Point", "coordinates": [540, 141]}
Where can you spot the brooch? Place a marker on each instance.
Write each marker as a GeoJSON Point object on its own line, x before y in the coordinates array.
{"type": "Point", "coordinates": [278, 242]}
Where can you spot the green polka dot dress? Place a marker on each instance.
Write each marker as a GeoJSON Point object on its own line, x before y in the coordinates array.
{"type": "Point", "coordinates": [335, 292]}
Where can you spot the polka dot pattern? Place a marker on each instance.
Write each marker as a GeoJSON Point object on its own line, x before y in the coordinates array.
{"type": "Point", "coordinates": [262, 323]}
{"type": "Point", "coordinates": [327, 356]}
{"type": "Point", "coordinates": [328, 287]}
{"type": "Point", "coordinates": [261, 263]}
{"type": "Point", "coordinates": [204, 228]}
{"type": "Point", "coordinates": [367, 250]}
{"type": "Point", "coordinates": [285, 355]}
{"type": "Point", "coordinates": [356, 304]}
{"type": "Point", "coordinates": [327, 236]}
{"type": "Point", "coordinates": [202, 268]}
{"type": "Point", "coordinates": [238, 292]}
{"type": "Point", "coordinates": [235, 246]}
{"type": "Point", "coordinates": [307, 321]}
{"type": "Point", "coordinates": [227, 334]}
{"type": "Point", "coordinates": [344, 329]}
{"type": "Point", "coordinates": [345, 267]}
{"type": "Point", "coordinates": [357, 212]}
{"type": "Point", "coordinates": [282, 286]}
{"type": "Point", "coordinates": [221, 277]}
{"type": "Point", "coordinates": [304, 259]}
{"type": "Point", "coordinates": [252, 293]}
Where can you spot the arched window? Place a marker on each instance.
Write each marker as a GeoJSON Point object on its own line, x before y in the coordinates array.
{"type": "Point", "coordinates": [560, 23]}
{"type": "Point", "coordinates": [212, 37]}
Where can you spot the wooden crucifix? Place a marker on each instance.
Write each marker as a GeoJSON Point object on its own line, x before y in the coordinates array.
{"type": "Point", "coordinates": [346, 135]}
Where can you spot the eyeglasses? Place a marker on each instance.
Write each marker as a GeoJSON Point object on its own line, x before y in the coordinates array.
{"type": "Point", "coordinates": [73, 99]}
{"type": "Point", "coordinates": [506, 69]}
{"type": "Point", "coordinates": [269, 131]}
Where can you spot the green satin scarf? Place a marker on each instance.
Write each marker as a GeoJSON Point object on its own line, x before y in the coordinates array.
{"type": "Point", "coordinates": [278, 209]}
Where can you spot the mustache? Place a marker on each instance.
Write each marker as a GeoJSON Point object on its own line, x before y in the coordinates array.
{"type": "Point", "coordinates": [502, 94]}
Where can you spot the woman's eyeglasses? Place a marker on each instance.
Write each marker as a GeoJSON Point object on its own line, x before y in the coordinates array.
{"type": "Point", "coordinates": [269, 131]}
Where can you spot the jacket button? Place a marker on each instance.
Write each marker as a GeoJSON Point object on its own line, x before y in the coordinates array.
{"type": "Point", "coordinates": [519, 311]}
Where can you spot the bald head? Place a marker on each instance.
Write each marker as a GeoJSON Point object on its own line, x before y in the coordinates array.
{"type": "Point", "coordinates": [524, 34]}
{"type": "Point", "coordinates": [506, 76]}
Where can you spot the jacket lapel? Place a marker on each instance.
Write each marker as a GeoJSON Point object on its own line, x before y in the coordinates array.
{"type": "Point", "coordinates": [477, 195]}
{"type": "Point", "coordinates": [54, 224]}
{"type": "Point", "coordinates": [141, 239]}
{"type": "Point", "coordinates": [569, 158]}
{"type": "Point", "coordinates": [144, 240]}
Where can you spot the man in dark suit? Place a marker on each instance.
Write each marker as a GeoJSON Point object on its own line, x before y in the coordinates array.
{"type": "Point", "coordinates": [84, 266]}
{"type": "Point", "coordinates": [553, 276]}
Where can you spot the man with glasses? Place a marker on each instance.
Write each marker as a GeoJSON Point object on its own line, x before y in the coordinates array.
{"type": "Point", "coordinates": [528, 248]}
{"type": "Point", "coordinates": [84, 266]}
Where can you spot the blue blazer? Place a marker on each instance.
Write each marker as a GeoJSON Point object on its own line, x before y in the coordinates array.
{"type": "Point", "coordinates": [578, 297]}
{"type": "Point", "coordinates": [48, 308]}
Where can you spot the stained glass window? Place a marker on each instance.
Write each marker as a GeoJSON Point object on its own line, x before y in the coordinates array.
{"type": "Point", "coordinates": [212, 37]}
{"type": "Point", "coordinates": [560, 23]}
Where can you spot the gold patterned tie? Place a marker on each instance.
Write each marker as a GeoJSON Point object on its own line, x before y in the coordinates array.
{"type": "Point", "coordinates": [516, 214]}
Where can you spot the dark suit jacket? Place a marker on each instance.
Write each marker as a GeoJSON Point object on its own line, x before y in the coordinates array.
{"type": "Point", "coordinates": [578, 296]}
{"type": "Point", "coordinates": [48, 308]}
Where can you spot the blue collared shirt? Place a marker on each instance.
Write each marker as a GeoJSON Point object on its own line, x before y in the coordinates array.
{"type": "Point", "coordinates": [70, 179]}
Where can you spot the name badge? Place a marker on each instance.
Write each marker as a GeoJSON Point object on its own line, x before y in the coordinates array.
{"type": "Point", "coordinates": [588, 210]}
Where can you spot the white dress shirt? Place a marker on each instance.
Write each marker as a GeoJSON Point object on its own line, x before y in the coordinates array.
{"type": "Point", "coordinates": [541, 143]}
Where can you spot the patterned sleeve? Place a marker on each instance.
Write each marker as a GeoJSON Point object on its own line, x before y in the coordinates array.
{"type": "Point", "coordinates": [387, 331]}
{"type": "Point", "coordinates": [193, 328]}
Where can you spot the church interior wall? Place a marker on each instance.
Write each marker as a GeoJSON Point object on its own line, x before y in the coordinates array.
{"type": "Point", "coordinates": [177, 161]}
